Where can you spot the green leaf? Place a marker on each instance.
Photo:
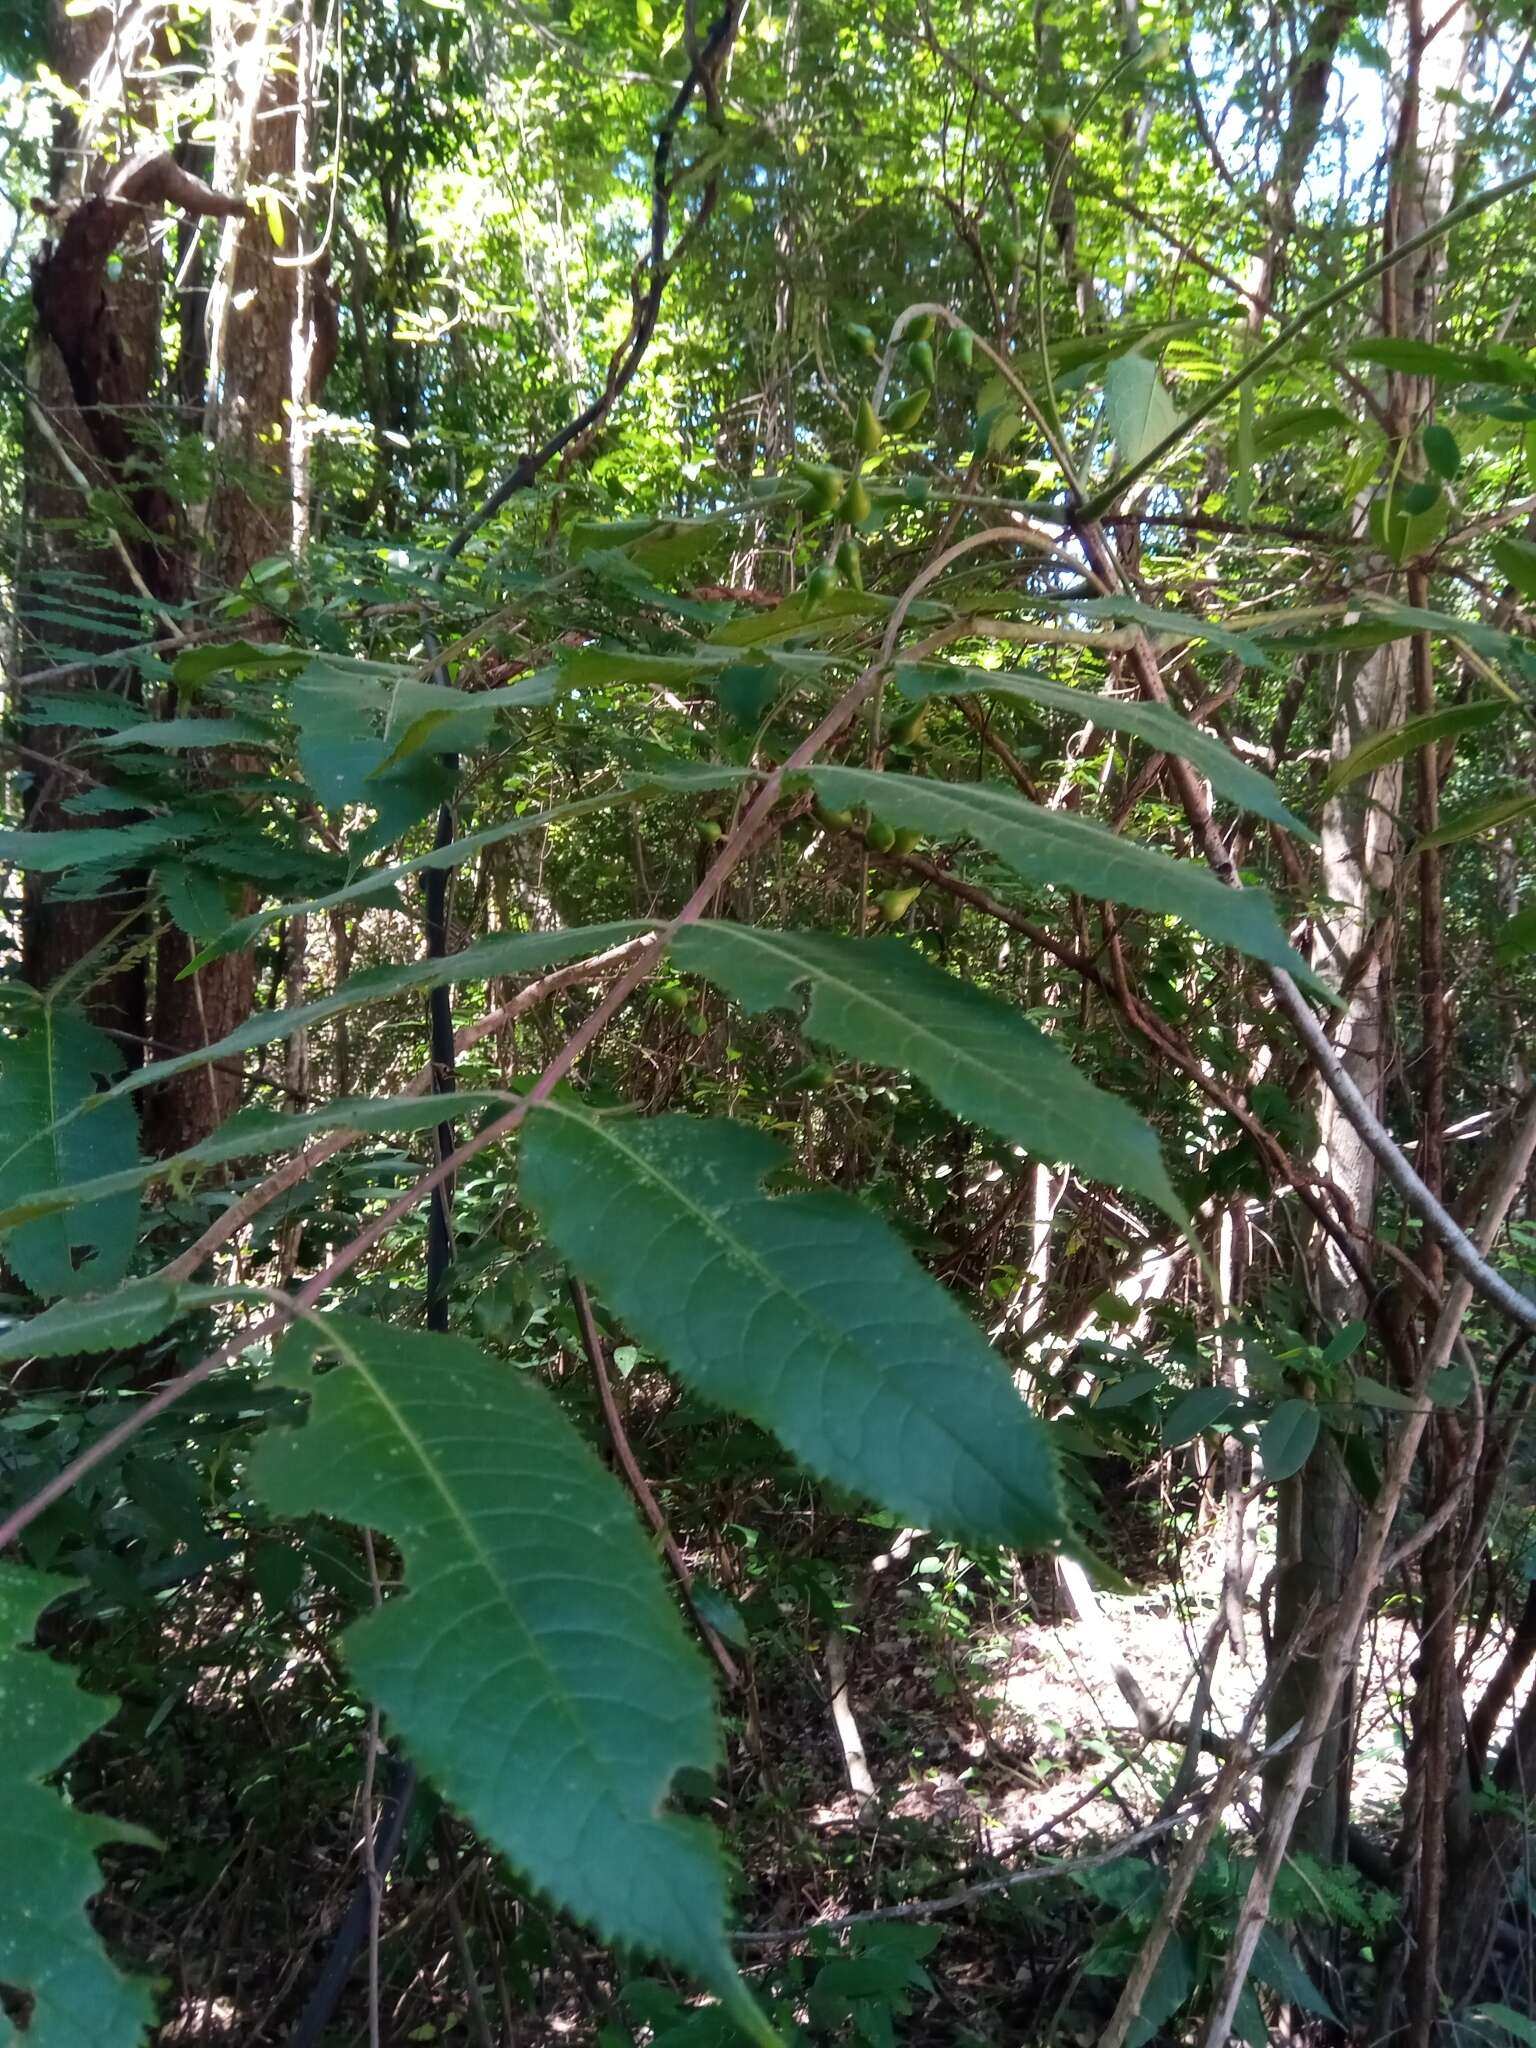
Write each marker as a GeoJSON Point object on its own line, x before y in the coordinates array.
{"type": "Point", "coordinates": [1071, 851]}
{"type": "Point", "coordinates": [48, 1089]}
{"type": "Point", "coordinates": [1274, 1965]}
{"type": "Point", "coordinates": [1471, 824]}
{"type": "Point", "coordinates": [1200, 1409]}
{"type": "Point", "coordinates": [1381, 748]}
{"type": "Point", "coordinates": [878, 1000]}
{"type": "Point", "coordinates": [1495, 646]}
{"type": "Point", "coordinates": [1449, 365]}
{"type": "Point", "coordinates": [110, 1322]}
{"type": "Point", "coordinates": [1376, 1394]}
{"type": "Point", "coordinates": [1176, 625]}
{"type": "Point", "coordinates": [803, 1312]}
{"type": "Point", "coordinates": [536, 1669]}
{"type": "Point", "coordinates": [49, 1952]}
{"type": "Point", "coordinates": [173, 734]}
{"type": "Point", "coordinates": [380, 884]}
{"type": "Point", "coordinates": [252, 1134]}
{"type": "Point", "coordinates": [1137, 406]}
{"type": "Point", "coordinates": [1518, 937]}
{"type": "Point", "coordinates": [1517, 2024]}
{"type": "Point", "coordinates": [1286, 1440]}
{"type": "Point", "coordinates": [49, 853]}
{"type": "Point", "coordinates": [503, 953]}
{"type": "Point", "coordinates": [195, 666]}
{"type": "Point", "coordinates": [1517, 559]}
{"type": "Point", "coordinates": [1157, 724]}
{"type": "Point", "coordinates": [1450, 1387]}
{"type": "Point", "coordinates": [1441, 451]}
{"type": "Point", "coordinates": [1127, 1392]}
{"type": "Point", "coordinates": [194, 897]}
{"type": "Point", "coordinates": [1173, 1982]}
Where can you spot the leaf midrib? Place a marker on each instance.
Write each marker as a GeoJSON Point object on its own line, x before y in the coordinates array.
{"type": "Point", "coordinates": [842, 1339]}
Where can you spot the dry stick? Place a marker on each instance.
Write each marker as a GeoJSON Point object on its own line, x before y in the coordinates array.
{"type": "Point", "coordinates": [1134, 1990]}
{"type": "Point", "coordinates": [639, 1485]}
{"type": "Point", "coordinates": [1037, 1873]}
{"type": "Point", "coordinates": [1336, 1654]}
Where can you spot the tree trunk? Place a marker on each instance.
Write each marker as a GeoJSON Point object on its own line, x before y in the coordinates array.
{"type": "Point", "coordinates": [61, 563]}
{"type": "Point", "coordinates": [261, 341]}
{"type": "Point", "coordinates": [1361, 850]}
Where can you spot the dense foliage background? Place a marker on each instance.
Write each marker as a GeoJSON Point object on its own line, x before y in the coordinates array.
{"type": "Point", "coordinates": [765, 1190]}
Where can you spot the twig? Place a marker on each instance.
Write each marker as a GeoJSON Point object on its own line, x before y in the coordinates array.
{"type": "Point", "coordinates": [639, 1485]}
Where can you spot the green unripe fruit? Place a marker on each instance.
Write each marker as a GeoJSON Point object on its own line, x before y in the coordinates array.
{"type": "Point", "coordinates": [867, 430]}
{"type": "Point", "coordinates": [1055, 123]}
{"type": "Point", "coordinates": [920, 329]}
{"type": "Point", "coordinates": [834, 821]}
{"type": "Point", "coordinates": [698, 1026]}
{"type": "Point", "coordinates": [906, 732]}
{"type": "Point", "coordinates": [880, 836]}
{"type": "Point", "coordinates": [862, 339]}
{"type": "Point", "coordinates": [893, 904]}
{"type": "Point", "coordinates": [710, 831]}
{"type": "Point", "coordinates": [849, 567]}
{"type": "Point", "coordinates": [855, 507]}
{"type": "Point", "coordinates": [823, 488]}
{"type": "Point", "coordinates": [821, 582]}
{"type": "Point", "coordinates": [1014, 252]}
{"type": "Point", "coordinates": [960, 346]}
{"type": "Point", "coordinates": [906, 412]}
{"type": "Point", "coordinates": [920, 354]}
{"type": "Point", "coordinates": [674, 995]}
{"type": "Point", "coordinates": [907, 841]}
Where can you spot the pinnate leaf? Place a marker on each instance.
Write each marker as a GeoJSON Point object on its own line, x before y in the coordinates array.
{"type": "Point", "coordinates": [49, 1952]}
{"type": "Point", "coordinates": [803, 1312]}
{"type": "Point", "coordinates": [535, 1668]}
{"type": "Point", "coordinates": [877, 999]}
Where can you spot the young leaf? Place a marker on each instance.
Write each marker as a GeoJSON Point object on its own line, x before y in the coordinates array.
{"type": "Point", "coordinates": [1070, 851]}
{"type": "Point", "coordinates": [1157, 724]}
{"type": "Point", "coordinates": [49, 1952]}
{"type": "Point", "coordinates": [1286, 1440]}
{"type": "Point", "coordinates": [1449, 722]}
{"type": "Point", "coordinates": [877, 999]}
{"type": "Point", "coordinates": [803, 1312]}
{"type": "Point", "coordinates": [1138, 408]}
{"type": "Point", "coordinates": [536, 1669]}
{"type": "Point", "coordinates": [48, 1090]}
